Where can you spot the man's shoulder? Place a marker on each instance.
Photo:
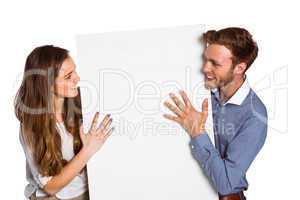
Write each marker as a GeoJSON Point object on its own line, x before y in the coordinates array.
{"type": "Point", "coordinates": [254, 104]}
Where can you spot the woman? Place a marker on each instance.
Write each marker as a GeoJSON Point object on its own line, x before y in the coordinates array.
{"type": "Point", "coordinates": [49, 110]}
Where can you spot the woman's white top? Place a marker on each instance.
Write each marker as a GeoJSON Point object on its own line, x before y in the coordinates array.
{"type": "Point", "coordinates": [36, 181]}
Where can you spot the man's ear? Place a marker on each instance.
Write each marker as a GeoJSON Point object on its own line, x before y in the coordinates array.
{"type": "Point", "coordinates": [240, 68]}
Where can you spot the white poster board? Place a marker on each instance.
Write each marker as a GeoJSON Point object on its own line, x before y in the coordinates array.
{"type": "Point", "coordinates": [130, 74]}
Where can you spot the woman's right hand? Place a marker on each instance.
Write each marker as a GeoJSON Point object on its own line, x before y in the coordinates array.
{"type": "Point", "coordinates": [95, 138]}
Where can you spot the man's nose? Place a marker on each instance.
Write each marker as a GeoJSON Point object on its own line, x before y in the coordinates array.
{"type": "Point", "coordinates": [206, 68]}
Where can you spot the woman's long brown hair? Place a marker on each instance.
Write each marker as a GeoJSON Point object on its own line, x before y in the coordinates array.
{"type": "Point", "coordinates": [34, 109]}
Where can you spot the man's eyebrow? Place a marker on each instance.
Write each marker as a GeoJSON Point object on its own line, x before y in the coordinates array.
{"type": "Point", "coordinates": [211, 60]}
{"type": "Point", "coordinates": [214, 61]}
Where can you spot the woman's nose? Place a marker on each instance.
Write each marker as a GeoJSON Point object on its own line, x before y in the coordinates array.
{"type": "Point", "coordinates": [77, 78]}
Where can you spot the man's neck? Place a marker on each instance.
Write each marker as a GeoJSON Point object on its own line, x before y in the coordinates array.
{"type": "Point", "coordinates": [227, 91]}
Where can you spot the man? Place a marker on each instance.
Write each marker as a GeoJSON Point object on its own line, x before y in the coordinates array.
{"type": "Point", "coordinates": [239, 116]}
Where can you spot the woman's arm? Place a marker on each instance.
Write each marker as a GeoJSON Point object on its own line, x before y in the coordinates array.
{"type": "Point", "coordinates": [92, 142]}
{"type": "Point", "coordinates": [68, 173]}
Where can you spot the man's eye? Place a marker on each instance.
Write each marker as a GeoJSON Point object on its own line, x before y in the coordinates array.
{"type": "Point", "coordinates": [215, 64]}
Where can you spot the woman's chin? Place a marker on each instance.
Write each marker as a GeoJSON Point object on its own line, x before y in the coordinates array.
{"type": "Point", "coordinates": [72, 94]}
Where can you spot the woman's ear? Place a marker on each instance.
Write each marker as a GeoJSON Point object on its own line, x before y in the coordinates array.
{"type": "Point", "coordinates": [52, 90]}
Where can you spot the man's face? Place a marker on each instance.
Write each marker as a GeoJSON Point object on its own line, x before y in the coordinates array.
{"type": "Point", "coordinates": [217, 66]}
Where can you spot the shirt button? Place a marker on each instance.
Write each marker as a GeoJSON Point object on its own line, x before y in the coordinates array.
{"type": "Point", "coordinates": [192, 146]}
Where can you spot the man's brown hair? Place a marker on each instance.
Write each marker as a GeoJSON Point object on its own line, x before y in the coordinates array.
{"type": "Point", "coordinates": [238, 40]}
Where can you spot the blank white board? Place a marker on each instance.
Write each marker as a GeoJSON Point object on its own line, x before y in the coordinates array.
{"type": "Point", "coordinates": [130, 74]}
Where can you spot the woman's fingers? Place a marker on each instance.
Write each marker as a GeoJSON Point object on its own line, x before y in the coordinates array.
{"type": "Point", "coordinates": [107, 124]}
{"type": "Point", "coordinates": [81, 133]}
{"type": "Point", "coordinates": [108, 133]}
{"type": "Point", "coordinates": [103, 127]}
{"type": "Point", "coordinates": [104, 134]}
{"type": "Point", "coordinates": [94, 123]}
{"type": "Point", "coordinates": [104, 122]}
{"type": "Point", "coordinates": [102, 130]}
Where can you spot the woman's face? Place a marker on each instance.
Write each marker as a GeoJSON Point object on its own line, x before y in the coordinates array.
{"type": "Point", "coordinates": [66, 81]}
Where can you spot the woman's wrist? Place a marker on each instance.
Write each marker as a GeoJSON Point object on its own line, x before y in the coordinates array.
{"type": "Point", "coordinates": [86, 152]}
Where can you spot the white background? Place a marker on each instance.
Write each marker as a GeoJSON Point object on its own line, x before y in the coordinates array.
{"type": "Point", "coordinates": [27, 24]}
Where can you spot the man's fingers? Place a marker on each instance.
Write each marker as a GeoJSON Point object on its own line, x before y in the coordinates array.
{"type": "Point", "coordinates": [177, 101]}
{"type": "Point", "coordinates": [174, 109]}
{"type": "Point", "coordinates": [171, 117]}
{"type": "Point", "coordinates": [185, 98]}
{"type": "Point", "coordinates": [205, 106]}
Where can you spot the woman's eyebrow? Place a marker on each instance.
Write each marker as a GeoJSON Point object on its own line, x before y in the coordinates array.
{"type": "Point", "coordinates": [68, 73]}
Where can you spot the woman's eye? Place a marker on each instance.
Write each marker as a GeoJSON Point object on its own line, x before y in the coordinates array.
{"type": "Point", "coordinates": [68, 77]}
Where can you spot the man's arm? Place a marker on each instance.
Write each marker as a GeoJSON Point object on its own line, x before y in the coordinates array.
{"type": "Point", "coordinates": [226, 173]}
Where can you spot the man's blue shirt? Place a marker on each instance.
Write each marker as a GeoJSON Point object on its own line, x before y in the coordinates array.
{"type": "Point", "coordinates": [240, 129]}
